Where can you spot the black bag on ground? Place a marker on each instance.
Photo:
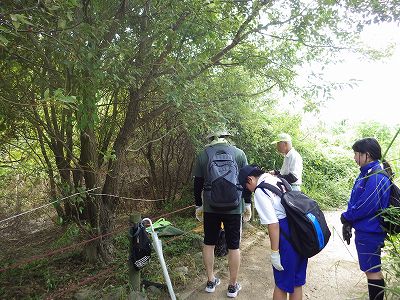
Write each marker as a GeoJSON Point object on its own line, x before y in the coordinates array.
{"type": "Point", "coordinates": [221, 187]}
{"type": "Point", "coordinates": [140, 246]}
{"type": "Point", "coordinates": [221, 248]}
{"type": "Point", "coordinates": [390, 221]}
{"type": "Point", "coordinates": [307, 224]}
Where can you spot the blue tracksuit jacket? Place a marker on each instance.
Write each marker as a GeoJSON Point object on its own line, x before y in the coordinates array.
{"type": "Point", "coordinates": [367, 198]}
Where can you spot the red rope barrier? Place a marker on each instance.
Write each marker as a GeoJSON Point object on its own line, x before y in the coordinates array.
{"type": "Point", "coordinates": [68, 248]}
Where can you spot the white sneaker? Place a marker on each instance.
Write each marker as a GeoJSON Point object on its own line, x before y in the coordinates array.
{"type": "Point", "coordinates": [210, 287]}
{"type": "Point", "coordinates": [233, 290]}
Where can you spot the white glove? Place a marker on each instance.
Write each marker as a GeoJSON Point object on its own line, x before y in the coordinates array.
{"type": "Point", "coordinates": [199, 213]}
{"type": "Point", "coordinates": [247, 213]}
{"type": "Point", "coordinates": [276, 260]}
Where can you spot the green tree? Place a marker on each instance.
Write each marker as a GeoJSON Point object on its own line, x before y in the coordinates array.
{"type": "Point", "coordinates": [87, 78]}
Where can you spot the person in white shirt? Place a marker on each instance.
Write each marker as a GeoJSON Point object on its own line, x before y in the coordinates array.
{"type": "Point", "coordinates": [289, 267]}
{"type": "Point", "coordinates": [292, 167]}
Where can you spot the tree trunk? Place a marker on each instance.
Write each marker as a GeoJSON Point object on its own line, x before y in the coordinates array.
{"type": "Point", "coordinates": [108, 202]}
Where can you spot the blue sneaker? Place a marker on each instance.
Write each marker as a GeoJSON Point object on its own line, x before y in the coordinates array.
{"type": "Point", "coordinates": [210, 287]}
{"type": "Point", "coordinates": [233, 290]}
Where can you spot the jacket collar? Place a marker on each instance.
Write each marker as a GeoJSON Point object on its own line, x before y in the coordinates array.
{"type": "Point", "coordinates": [373, 165]}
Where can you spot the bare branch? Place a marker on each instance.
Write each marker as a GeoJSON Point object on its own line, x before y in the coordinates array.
{"type": "Point", "coordinates": [155, 140]}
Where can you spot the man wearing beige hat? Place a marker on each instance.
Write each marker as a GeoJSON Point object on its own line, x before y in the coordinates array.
{"type": "Point", "coordinates": [292, 166]}
{"type": "Point", "coordinates": [219, 198]}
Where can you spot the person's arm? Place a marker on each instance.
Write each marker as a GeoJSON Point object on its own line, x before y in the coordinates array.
{"type": "Point", "coordinates": [291, 178]}
{"type": "Point", "coordinates": [197, 188]}
{"type": "Point", "coordinates": [242, 161]}
{"type": "Point", "coordinates": [265, 210]}
{"type": "Point", "coordinates": [246, 194]}
{"type": "Point", "coordinates": [274, 172]}
{"type": "Point", "coordinates": [273, 232]}
{"type": "Point", "coordinates": [295, 169]}
{"type": "Point", "coordinates": [369, 201]}
{"type": "Point", "coordinates": [198, 174]}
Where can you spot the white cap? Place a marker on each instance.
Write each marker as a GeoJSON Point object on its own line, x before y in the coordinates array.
{"type": "Point", "coordinates": [282, 137]}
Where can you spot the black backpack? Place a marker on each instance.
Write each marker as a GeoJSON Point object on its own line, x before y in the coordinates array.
{"type": "Point", "coordinates": [307, 224]}
{"type": "Point", "coordinates": [221, 248]}
{"type": "Point", "coordinates": [221, 188]}
{"type": "Point", "coordinates": [140, 246]}
{"type": "Point", "coordinates": [390, 223]}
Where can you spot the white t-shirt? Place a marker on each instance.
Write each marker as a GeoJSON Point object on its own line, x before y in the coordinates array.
{"type": "Point", "coordinates": [293, 163]}
{"type": "Point", "coordinates": [269, 207]}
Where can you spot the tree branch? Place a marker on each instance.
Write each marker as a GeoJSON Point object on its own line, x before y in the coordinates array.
{"type": "Point", "coordinates": [240, 35]}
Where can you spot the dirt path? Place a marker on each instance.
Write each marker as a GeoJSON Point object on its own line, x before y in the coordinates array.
{"type": "Point", "coordinates": [333, 274]}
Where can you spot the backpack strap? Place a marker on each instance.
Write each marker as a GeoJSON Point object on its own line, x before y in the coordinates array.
{"type": "Point", "coordinates": [279, 192]}
{"type": "Point", "coordinates": [284, 183]}
{"type": "Point", "coordinates": [210, 151]}
{"type": "Point", "coordinates": [135, 229]}
{"type": "Point", "coordinates": [383, 172]}
{"type": "Point", "coordinates": [379, 171]}
{"type": "Point", "coordinates": [281, 188]}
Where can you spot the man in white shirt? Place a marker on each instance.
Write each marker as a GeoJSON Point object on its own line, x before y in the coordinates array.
{"type": "Point", "coordinates": [292, 167]}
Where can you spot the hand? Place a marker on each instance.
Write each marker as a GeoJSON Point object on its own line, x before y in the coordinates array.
{"type": "Point", "coordinates": [276, 260]}
{"type": "Point", "coordinates": [247, 213]}
{"type": "Point", "coordinates": [272, 172]}
{"type": "Point", "coordinates": [199, 213]}
{"type": "Point", "coordinates": [343, 219]}
{"type": "Point", "coordinates": [346, 231]}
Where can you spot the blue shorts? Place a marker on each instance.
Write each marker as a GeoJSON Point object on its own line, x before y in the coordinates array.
{"type": "Point", "coordinates": [294, 265]}
{"type": "Point", "coordinates": [368, 247]}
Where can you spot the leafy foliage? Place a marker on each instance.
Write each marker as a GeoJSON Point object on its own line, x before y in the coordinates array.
{"type": "Point", "coordinates": [87, 81]}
